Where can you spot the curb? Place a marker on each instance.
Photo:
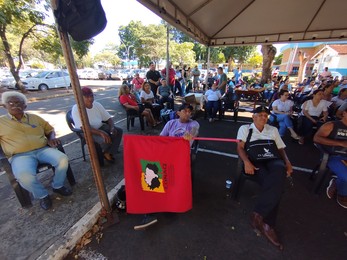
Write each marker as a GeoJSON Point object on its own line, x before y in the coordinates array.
{"type": "Point", "coordinates": [62, 247]}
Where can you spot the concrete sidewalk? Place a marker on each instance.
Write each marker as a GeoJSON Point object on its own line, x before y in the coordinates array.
{"type": "Point", "coordinates": [33, 233]}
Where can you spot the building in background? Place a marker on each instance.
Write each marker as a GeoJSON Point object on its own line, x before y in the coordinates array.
{"type": "Point", "coordinates": [320, 55]}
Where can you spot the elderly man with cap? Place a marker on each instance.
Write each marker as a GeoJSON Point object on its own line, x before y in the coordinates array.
{"type": "Point", "coordinates": [106, 134]}
{"type": "Point", "coordinates": [269, 166]}
{"type": "Point", "coordinates": [27, 140]}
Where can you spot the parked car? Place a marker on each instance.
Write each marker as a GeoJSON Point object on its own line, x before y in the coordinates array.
{"type": "Point", "coordinates": [116, 75]}
{"type": "Point", "coordinates": [47, 80]}
{"type": "Point", "coordinates": [142, 73]}
{"type": "Point", "coordinates": [102, 75]}
{"type": "Point", "coordinates": [88, 74]}
{"type": "Point", "coordinates": [10, 83]}
{"type": "Point", "coordinates": [126, 74]}
{"type": "Point", "coordinates": [92, 74]}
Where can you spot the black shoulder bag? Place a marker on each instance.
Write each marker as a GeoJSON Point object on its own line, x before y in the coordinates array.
{"type": "Point", "coordinates": [82, 19]}
{"type": "Point", "coordinates": [261, 150]}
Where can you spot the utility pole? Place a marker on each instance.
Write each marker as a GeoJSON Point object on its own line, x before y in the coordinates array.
{"type": "Point", "coordinates": [128, 50]}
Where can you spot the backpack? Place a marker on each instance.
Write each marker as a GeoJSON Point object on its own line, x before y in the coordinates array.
{"type": "Point", "coordinates": [82, 19]}
{"type": "Point", "coordinates": [167, 115]}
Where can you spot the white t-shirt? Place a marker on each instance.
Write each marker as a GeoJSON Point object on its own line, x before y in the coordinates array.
{"type": "Point", "coordinates": [213, 95]}
{"type": "Point", "coordinates": [269, 133]}
{"type": "Point", "coordinates": [283, 106]}
{"type": "Point", "coordinates": [96, 115]}
{"type": "Point", "coordinates": [316, 111]}
{"type": "Point", "coordinates": [146, 96]}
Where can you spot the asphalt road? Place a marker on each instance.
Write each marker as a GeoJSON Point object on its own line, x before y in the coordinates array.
{"type": "Point", "coordinates": [54, 109]}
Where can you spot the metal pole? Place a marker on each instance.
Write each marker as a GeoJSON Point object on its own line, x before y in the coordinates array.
{"type": "Point", "coordinates": [70, 63]}
{"type": "Point", "coordinates": [167, 55]}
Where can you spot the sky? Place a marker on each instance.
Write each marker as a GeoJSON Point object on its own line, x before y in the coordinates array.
{"type": "Point", "coordinates": [121, 12]}
{"type": "Point", "coordinates": [118, 13]}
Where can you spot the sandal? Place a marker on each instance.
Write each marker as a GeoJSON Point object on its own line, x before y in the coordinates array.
{"type": "Point", "coordinates": [109, 157]}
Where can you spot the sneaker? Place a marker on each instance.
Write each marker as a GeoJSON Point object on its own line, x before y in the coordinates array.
{"type": "Point", "coordinates": [342, 201]}
{"type": "Point", "coordinates": [63, 191]}
{"type": "Point", "coordinates": [331, 189]}
{"type": "Point", "coordinates": [146, 222]}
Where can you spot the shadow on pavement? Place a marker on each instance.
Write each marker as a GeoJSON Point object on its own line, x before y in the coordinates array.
{"type": "Point", "coordinates": [310, 226]}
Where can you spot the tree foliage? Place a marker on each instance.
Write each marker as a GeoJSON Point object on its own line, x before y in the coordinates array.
{"type": "Point", "coordinates": [256, 60]}
{"type": "Point", "coordinates": [108, 58]}
{"type": "Point", "coordinates": [239, 54]}
{"type": "Point", "coordinates": [182, 53]}
{"type": "Point", "coordinates": [278, 59]}
{"type": "Point", "coordinates": [22, 22]}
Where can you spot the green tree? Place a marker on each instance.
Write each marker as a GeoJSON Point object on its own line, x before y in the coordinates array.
{"type": "Point", "coordinates": [239, 54]}
{"type": "Point", "coordinates": [278, 59]}
{"type": "Point", "coordinates": [177, 35]}
{"type": "Point", "coordinates": [130, 36]}
{"type": "Point", "coordinates": [22, 22]}
{"type": "Point", "coordinates": [20, 18]}
{"type": "Point", "coordinates": [182, 53]}
{"type": "Point", "coordinates": [256, 60]}
{"type": "Point", "coordinates": [107, 58]}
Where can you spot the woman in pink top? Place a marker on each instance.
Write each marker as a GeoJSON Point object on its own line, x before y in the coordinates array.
{"type": "Point", "coordinates": [128, 100]}
{"type": "Point", "coordinates": [137, 82]}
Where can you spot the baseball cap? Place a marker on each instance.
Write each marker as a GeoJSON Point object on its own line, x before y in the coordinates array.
{"type": "Point", "coordinates": [87, 92]}
{"type": "Point", "coordinates": [261, 109]}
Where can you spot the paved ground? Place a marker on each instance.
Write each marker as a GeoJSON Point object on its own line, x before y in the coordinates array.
{"type": "Point", "coordinates": [311, 226]}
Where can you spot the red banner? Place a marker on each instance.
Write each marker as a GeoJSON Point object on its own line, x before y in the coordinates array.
{"type": "Point", "coordinates": [157, 174]}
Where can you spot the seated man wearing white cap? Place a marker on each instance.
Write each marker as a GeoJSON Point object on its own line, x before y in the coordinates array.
{"type": "Point", "coordinates": [106, 134]}
{"type": "Point", "coordinates": [269, 166]}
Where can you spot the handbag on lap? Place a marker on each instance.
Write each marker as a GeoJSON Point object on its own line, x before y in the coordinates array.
{"type": "Point", "coordinates": [261, 150]}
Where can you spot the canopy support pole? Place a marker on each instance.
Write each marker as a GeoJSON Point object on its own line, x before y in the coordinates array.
{"type": "Point", "coordinates": [76, 87]}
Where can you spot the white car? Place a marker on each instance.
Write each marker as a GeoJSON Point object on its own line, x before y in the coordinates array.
{"type": "Point", "coordinates": [91, 74]}
{"type": "Point", "coordinates": [47, 80]}
{"type": "Point", "coordinates": [10, 83]}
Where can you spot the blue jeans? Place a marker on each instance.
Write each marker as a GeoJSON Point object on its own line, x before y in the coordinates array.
{"type": "Point", "coordinates": [212, 108]}
{"type": "Point", "coordinates": [268, 94]}
{"type": "Point", "coordinates": [306, 125]}
{"type": "Point", "coordinates": [183, 87]}
{"type": "Point", "coordinates": [340, 169]}
{"type": "Point", "coordinates": [284, 122]}
{"type": "Point", "coordinates": [24, 167]}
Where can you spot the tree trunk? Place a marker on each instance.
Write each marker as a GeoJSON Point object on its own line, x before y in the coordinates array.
{"type": "Point", "coordinates": [303, 59]}
{"type": "Point", "coordinates": [269, 53]}
{"type": "Point", "coordinates": [7, 49]}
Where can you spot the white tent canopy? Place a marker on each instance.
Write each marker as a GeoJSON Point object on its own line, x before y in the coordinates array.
{"type": "Point", "coordinates": [248, 22]}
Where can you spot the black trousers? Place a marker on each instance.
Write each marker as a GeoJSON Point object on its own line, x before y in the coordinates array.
{"type": "Point", "coordinates": [271, 177]}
